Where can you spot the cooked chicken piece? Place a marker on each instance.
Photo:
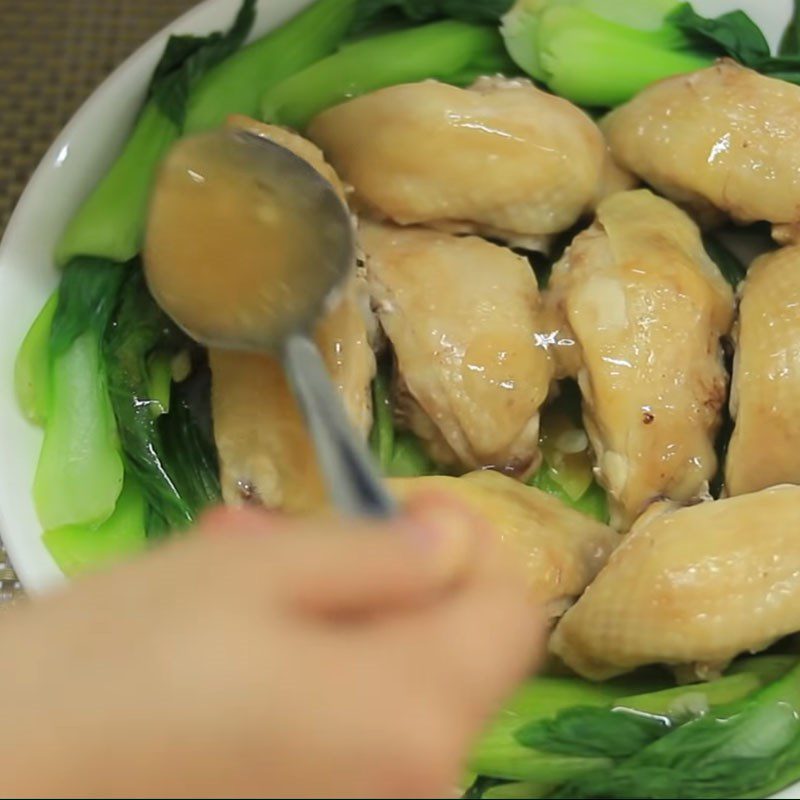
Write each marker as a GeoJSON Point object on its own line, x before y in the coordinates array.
{"type": "Point", "coordinates": [464, 318]}
{"type": "Point", "coordinates": [691, 586]}
{"type": "Point", "coordinates": [561, 549]}
{"type": "Point", "coordinates": [502, 158]}
{"type": "Point", "coordinates": [765, 397]}
{"type": "Point", "coordinates": [724, 137]}
{"type": "Point", "coordinates": [643, 309]}
{"type": "Point", "coordinates": [265, 452]}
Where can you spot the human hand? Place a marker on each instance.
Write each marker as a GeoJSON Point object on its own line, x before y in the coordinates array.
{"type": "Point", "coordinates": [268, 656]}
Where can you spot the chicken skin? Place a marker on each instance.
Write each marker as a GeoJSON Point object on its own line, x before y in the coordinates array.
{"type": "Point", "coordinates": [691, 587]}
{"type": "Point", "coordinates": [765, 396]}
{"type": "Point", "coordinates": [642, 309]}
{"type": "Point", "coordinates": [725, 139]}
{"type": "Point", "coordinates": [464, 317]}
{"type": "Point", "coordinates": [503, 158]}
{"type": "Point", "coordinates": [560, 549]}
{"type": "Point", "coordinates": [265, 452]}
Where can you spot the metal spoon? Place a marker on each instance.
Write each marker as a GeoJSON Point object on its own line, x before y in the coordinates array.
{"type": "Point", "coordinates": [281, 311]}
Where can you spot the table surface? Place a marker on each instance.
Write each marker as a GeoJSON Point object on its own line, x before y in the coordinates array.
{"type": "Point", "coordinates": [54, 53]}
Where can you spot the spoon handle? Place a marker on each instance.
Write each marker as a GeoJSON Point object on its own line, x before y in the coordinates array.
{"type": "Point", "coordinates": [353, 482]}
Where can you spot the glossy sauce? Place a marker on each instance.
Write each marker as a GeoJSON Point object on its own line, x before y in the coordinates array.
{"type": "Point", "coordinates": [238, 250]}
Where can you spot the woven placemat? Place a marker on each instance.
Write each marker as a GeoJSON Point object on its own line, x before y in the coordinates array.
{"type": "Point", "coordinates": [54, 53]}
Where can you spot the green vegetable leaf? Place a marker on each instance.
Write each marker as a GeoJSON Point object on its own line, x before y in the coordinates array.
{"type": "Point", "coordinates": [498, 753]}
{"type": "Point", "coordinates": [381, 438]}
{"type": "Point", "coordinates": [186, 432]}
{"type": "Point", "coordinates": [187, 58]}
{"type": "Point", "coordinates": [236, 85]}
{"type": "Point", "coordinates": [734, 34]}
{"type": "Point", "coordinates": [368, 12]}
{"type": "Point", "coordinates": [682, 703]}
{"type": "Point", "coordinates": [590, 731]}
{"type": "Point", "coordinates": [740, 752]}
{"type": "Point", "coordinates": [87, 297]}
{"type": "Point", "coordinates": [545, 480]}
{"type": "Point", "coordinates": [79, 474]}
{"type": "Point", "coordinates": [32, 367]}
{"type": "Point", "coordinates": [479, 787]}
{"type": "Point", "coordinates": [737, 36]}
{"type": "Point", "coordinates": [111, 220]}
{"type": "Point", "coordinates": [81, 548]}
{"type": "Point", "coordinates": [707, 757]}
{"type": "Point", "coordinates": [139, 328]}
{"type": "Point", "coordinates": [729, 264]}
{"type": "Point", "coordinates": [599, 53]}
{"type": "Point", "coordinates": [593, 503]}
{"type": "Point", "coordinates": [409, 459]}
{"type": "Point", "coordinates": [790, 41]}
{"type": "Point", "coordinates": [399, 454]}
{"type": "Point", "coordinates": [449, 51]}
{"type": "Point", "coordinates": [522, 790]}
{"type": "Point", "coordinates": [163, 451]}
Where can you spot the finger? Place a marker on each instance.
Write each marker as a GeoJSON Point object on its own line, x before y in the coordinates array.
{"type": "Point", "coordinates": [225, 521]}
{"type": "Point", "coordinates": [478, 642]}
{"type": "Point", "coordinates": [334, 566]}
{"type": "Point", "coordinates": [495, 638]}
{"type": "Point", "coordinates": [364, 568]}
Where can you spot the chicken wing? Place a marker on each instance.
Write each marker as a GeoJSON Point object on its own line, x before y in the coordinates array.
{"type": "Point", "coordinates": [765, 397]}
{"type": "Point", "coordinates": [561, 549]}
{"type": "Point", "coordinates": [642, 309]}
{"type": "Point", "coordinates": [464, 318]}
{"type": "Point", "coordinates": [691, 586]}
{"type": "Point", "coordinates": [502, 158]}
{"type": "Point", "coordinates": [265, 452]}
{"type": "Point", "coordinates": [723, 138]}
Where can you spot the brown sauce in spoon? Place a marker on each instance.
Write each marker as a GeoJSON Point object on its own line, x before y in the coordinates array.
{"type": "Point", "coordinates": [239, 244]}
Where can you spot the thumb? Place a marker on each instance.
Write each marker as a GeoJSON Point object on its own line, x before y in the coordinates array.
{"type": "Point", "coordinates": [332, 565]}
{"type": "Point", "coordinates": [364, 568]}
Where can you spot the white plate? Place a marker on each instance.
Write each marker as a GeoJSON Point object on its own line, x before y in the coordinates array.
{"type": "Point", "coordinates": [71, 167]}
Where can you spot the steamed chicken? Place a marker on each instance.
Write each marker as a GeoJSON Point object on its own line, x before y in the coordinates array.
{"type": "Point", "coordinates": [464, 319]}
{"type": "Point", "coordinates": [642, 309]}
{"type": "Point", "coordinates": [691, 586]}
{"type": "Point", "coordinates": [765, 393]}
{"type": "Point", "coordinates": [502, 158]}
{"type": "Point", "coordinates": [724, 139]}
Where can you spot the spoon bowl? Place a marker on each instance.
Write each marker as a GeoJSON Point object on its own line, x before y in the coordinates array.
{"type": "Point", "coordinates": [247, 243]}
